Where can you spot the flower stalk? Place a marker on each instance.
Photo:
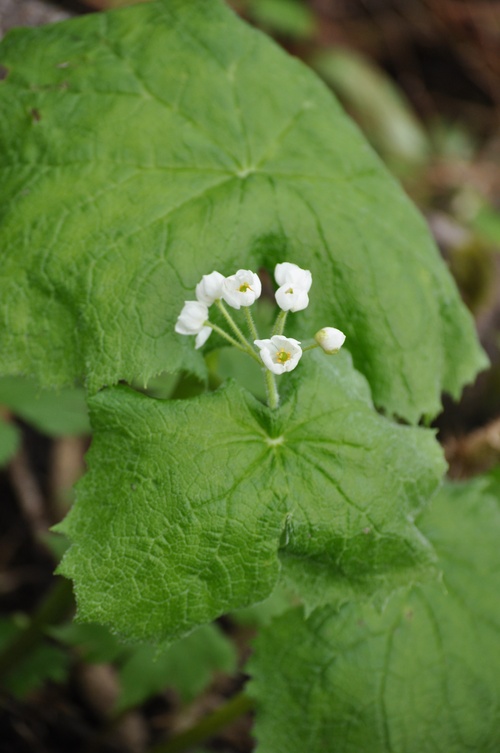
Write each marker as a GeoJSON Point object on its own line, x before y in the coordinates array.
{"type": "Point", "coordinates": [273, 397]}
{"type": "Point", "coordinates": [229, 319]}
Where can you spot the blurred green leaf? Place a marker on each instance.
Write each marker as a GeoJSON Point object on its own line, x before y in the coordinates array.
{"type": "Point", "coordinates": [187, 666]}
{"type": "Point", "coordinates": [487, 224]}
{"type": "Point", "coordinates": [45, 662]}
{"type": "Point", "coordinates": [95, 644]}
{"type": "Point", "coordinates": [451, 140]}
{"type": "Point", "coordinates": [290, 18]}
{"type": "Point", "coordinates": [229, 363]}
{"type": "Point", "coordinates": [9, 441]}
{"type": "Point", "coordinates": [55, 413]}
{"type": "Point", "coordinates": [380, 108]}
{"type": "Point", "coordinates": [261, 614]}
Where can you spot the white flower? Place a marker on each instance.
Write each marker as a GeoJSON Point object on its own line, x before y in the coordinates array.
{"type": "Point", "coordinates": [241, 289]}
{"type": "Point", "coordinates": [191, 321]}
{"type": "Point", "coordinates": [295, 284]}
{"type": "Point", "coordinates": [202, 337]}
{"type": "Point", "coordinates": [280, 353]}
{"type": "Point", "coordinates": [209, 289]}
{"type": "Point", "coordinates": [330, 339]}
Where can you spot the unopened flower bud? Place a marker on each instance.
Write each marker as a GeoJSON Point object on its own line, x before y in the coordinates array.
{"type": "Point", "coordinates": [330, 339]}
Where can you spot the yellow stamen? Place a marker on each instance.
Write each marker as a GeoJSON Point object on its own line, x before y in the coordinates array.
{"type": "Point", "coordinates": [243, 288]}
{"type": "Point", "coordinates": [282, 356]}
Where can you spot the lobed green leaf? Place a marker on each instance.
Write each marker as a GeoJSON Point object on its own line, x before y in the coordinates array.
{"type": "Point", "coordinates": [422, 676]}
{"type": "Point", "coordinates": [141, 148]}
{"type": "Point", "coordinates": [190, 507]}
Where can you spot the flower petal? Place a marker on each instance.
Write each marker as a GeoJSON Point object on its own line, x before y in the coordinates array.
{"type": "Point", "coordinates": [192, 318]}
{"type": "Point", "coordinates": [209, 289]}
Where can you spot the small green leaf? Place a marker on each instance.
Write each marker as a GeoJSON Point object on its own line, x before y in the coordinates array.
{"type": "Point", "coordinates": [187, 666]}
{"type": "Point", "coordinates": [45, 662]}
{"type": "Point", "coordinates": [143, 147]}
{"type": "Point", "coordinates": [423, 676]}
{"type": "Point", "coordinates": [55, 413]}
{"type": "Point", "coordinates": [9, 440]}
{"type": "Point", "coordinates": [188, 502]}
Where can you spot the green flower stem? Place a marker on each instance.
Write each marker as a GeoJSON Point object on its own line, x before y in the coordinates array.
{"type": "Point", "coordinates": [251, 324]}
{"type": "Point", "coordinates": [227, 337]}
{"type": "Point", "coordinates": [237, 706]}
{"type": "Point", "coordinates": [279, 325]}
{"type": "Point", "coordinates": [245, 349]}
{"type": "Point", "coordinates": [310, 347]}
{"type": "Point", "coordinates": [56, 606]}
{"type": "Point", "coordinates": [273, 397]}
{"type": "Point", "coordinates": [229, 319]}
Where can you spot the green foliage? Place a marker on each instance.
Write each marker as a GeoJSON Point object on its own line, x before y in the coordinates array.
{"type": "Point", "coordinates": [143, 147]}
{"type": "Point", "coordinates": [486, 223]}
{"type": "Point", "coordinates": [95, 643]}
{"type": "Point", "coordinates": [45, 662]}
{"type": "Point", "coordinates": [56, 413]}
{"type": "Point", "coordinates": [53, 413]}
{"type": "Point", "coordinates": [290, 18]}
{"type": "Point", "coordinates": [421, 676]}
{"type": "Point", "coordinates": [262, 613]}
{"type": "Point", "coordinates": [188, 666]}
{"type": "Point", "coordinates": [143, 670]}
{"type": "Point", "coordinates": [189, 506]}
{"type": "Point", "coordinates": [9, 440]}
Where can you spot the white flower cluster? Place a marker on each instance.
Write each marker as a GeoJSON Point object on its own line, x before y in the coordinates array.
{"type": "Point", "coordinates": [241, 289]}
{"type": "Point", "coordinates": [278, 353]}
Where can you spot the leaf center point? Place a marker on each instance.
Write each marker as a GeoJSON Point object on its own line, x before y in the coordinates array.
{"type": "Point", "coordinates": [275, 441]}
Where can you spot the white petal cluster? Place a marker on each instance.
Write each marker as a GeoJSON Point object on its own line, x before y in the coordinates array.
{"type": "Point", "coordinates": [279, 354]}
{"type": "Point", "coordinates": [209, 289]}
{"type": "Point", "coordinates": [295, 283]}
{"type": "Point", "coordinates": [191, 321]}
{"type": "Point", "coordinates": [330, 339]}
{"type": "Point", "coordinates": [241, 289]}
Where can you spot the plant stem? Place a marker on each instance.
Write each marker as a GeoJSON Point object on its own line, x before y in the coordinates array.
{"type": "Point", "coordinates": [229, 319]}
{"type": "Point", "coordinates": [310, 347]}
{"type": "Point", "coordinates": [273, 397]}
{"type": "Point", "coordinates": [57, 605]}
{"type": "Point", "coordinates": [224, 334]}
{"type": "Point", "coordinates": [207, 727]}
{"type": "Point", "coordinates": [279, 325]}
{"type": "Point", "coordinates": [251, 324]}
{"type": "Point", "coordinates": [247, 348]}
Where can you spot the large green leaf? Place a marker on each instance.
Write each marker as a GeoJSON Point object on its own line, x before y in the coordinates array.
{"type": "Point", "coordinates": [141, 148]}
{"type": "Point", "coordinates": [187, 502]}
{"type": "Point", "coordinates": [421, 677]}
